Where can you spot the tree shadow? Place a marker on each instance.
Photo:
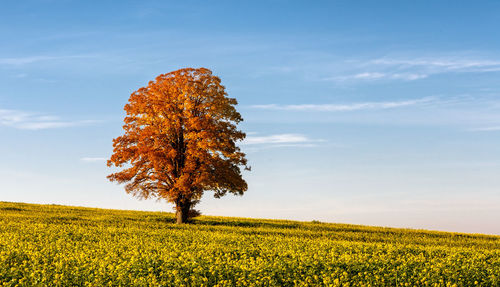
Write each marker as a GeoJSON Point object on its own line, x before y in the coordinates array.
{"type": "Point", "coordinates": [244, 223]}
{"type": "Point", "coordinates": [12, 209]}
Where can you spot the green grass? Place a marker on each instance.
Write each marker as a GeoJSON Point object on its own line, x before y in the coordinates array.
{"type": "Point", "coordinates": [52, 245]}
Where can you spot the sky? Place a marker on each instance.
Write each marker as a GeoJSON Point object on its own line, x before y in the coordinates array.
{"type": "Point", "coordinates": [381, 113]}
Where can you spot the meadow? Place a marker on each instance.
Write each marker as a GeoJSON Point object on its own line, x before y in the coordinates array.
{"type": "Point", "coordinates": [52, 245]}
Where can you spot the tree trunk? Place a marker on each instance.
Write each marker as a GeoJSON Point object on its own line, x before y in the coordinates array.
{"type": "Point", "coordinates": [182, 212]}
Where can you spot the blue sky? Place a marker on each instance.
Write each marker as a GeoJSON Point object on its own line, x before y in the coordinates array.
{"type": "Point", "coordinates": [382, 113]}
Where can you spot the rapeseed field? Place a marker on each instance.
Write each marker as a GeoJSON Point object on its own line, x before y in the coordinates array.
{"type": "Point", "coordinates": [50, 245]}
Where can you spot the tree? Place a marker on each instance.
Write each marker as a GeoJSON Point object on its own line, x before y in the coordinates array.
{"type": "Point", "coordinates": [180, 141]}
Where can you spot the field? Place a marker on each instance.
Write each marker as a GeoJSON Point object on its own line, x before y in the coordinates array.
{"type": "Point", "coordinates": [73, 246]}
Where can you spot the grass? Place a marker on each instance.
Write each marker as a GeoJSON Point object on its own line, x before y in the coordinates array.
{"type": "Point", "coordinates": [53, 245]}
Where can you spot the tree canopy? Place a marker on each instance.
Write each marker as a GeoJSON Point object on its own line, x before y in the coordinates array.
{"type": "Point", "coordinates": [180, 140]}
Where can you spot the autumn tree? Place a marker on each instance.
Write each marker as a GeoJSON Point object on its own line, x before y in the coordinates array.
{"type": "Point", "coordinates": [180, 141]}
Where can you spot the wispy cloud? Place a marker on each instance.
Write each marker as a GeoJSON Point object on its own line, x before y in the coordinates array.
{"type": "Point", "coordinates": [486, 129]}
{"type": "Point", "coordinates": [32, 121]}
{"type": "Point", "coordinates": [33, 59]}
{"type": "Point", "coordinates": [442, 64]}
{"type": "Point", "coordinates": [411, 68]}
{"type": "Point", "coordinates": [276, 139]}
{"type": "Point", "coordinates": [345, 107]}
{"type": "Point", "coordinates": [379, 76]}
{"type": "Point", "coordinates": [281, 140]}
{"type": "Point", "coordinates": [93, 159]}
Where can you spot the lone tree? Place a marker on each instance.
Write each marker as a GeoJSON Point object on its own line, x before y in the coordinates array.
{"type": "Point", "coordinates": [180, 140]}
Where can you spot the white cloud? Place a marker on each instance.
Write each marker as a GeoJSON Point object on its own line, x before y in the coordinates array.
{"type": "Point", "coordinates": [32, 121]}
{"type": "Point", "coordinates": [379, 76]}
{"type": "Point", "coordinates": [280, 140]}
{"type": "Point", "coordinates": [345, 107]}
{"type": "Point", "coordinates": [409, 77]}
{"type": "Point", "coordinates": [93, 159]}
{"type": "Point", "coordinates": [486, 129]}
{"type": "Point", "coordinates": [369, 76]}
{"type": "Point", "coordinates": [34, 59]}
{"type": "Point", "coordinates": [276, 139]}
{"type": "Point", "coordinates": [410, 68]}
{"type": "Point", "coordinates": [442, 64]}
{"type": "Point", "coordinates": [25, 60]}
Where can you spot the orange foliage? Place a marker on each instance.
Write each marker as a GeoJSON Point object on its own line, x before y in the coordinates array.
{"type": "Point", "coordinates": [180, 140]}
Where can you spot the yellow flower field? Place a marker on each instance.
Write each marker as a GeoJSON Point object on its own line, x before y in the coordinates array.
{"type": "Point", "coordinates": [50, 245]}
